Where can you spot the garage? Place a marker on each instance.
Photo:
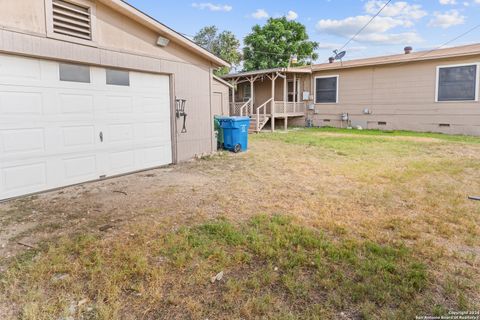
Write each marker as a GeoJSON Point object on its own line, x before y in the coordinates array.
{"type": "Point", "coordinates": [63, 124]}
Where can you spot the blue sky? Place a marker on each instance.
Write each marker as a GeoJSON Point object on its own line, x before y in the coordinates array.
{"type": "Point", "coordinates": [421, 24]}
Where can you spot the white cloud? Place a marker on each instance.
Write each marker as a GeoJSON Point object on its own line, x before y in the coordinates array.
{"type": "Point", "coordinates": [376, 32]}
{"type": "Point", "coordinates": [446, 2]}
{"type": "Point", "coordinates": [400, 10]}
{"type": "Point", "coordinates": [212, 7]}
{"type": "Point", "coordinates": [292, 15]}
{"type": "Point", "coordinates": [260, 14]}
{"type": "Point", "coordinates": [447, 19]}
{"type": "Point", "coordinates": [400, 14]}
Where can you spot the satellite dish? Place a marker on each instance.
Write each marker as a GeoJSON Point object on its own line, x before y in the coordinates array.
{"type": "Point", "coordinates": [339, 55]}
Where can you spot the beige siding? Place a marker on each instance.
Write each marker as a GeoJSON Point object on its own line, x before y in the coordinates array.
{"type": "Point", "coordinates": [220, 97]}
{"type": "Point", "coordinates": [23, 15]}
{"type": "Point", "coordinates": [402, 96]}
{"type": "Point", "coordinates": [120, 42]}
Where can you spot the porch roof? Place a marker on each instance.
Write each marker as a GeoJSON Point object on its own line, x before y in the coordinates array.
{"type": "Point", "coordinates": [267, 71]}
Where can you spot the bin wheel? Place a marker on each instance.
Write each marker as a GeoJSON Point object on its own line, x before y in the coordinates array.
{"type": "Point", "coordinates": [237, 148]}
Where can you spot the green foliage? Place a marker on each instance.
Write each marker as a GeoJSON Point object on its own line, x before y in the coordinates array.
{"type": "Point", "coordinates": [272, 45]}
{"type": "Point", "coordinates": [223, 44]}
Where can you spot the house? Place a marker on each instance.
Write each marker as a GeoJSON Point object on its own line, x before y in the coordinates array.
{"type": "Point", "coordinates": [91, 89]}
{"type": "Point", "coordinates": [429, 91]}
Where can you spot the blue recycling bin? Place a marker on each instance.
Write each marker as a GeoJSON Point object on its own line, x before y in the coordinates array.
{"type": "Point", "coordinates": [235, 133]}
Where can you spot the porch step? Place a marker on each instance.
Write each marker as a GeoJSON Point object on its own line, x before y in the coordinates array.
{"type": "Point", "coordinates": [253, 124]}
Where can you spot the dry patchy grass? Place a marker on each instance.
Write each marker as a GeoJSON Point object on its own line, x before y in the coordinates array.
{"type": "Point", "coordinates": [312, 224]}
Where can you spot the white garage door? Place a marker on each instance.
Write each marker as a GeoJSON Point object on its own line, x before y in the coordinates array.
{"type": "Point", "coordinates": [55, 132]}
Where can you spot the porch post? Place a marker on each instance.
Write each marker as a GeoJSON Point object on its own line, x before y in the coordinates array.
{"type": "Point", "coordinates": [273, 102]}
{"type": "Point", "coordinates": [252, 80]}
{"type": "Point", "coordinates": [295, 92]}
{"type": "Point", "coordinates": [232, 108]}
{"type": "Point", "coordinates": [285, 98]}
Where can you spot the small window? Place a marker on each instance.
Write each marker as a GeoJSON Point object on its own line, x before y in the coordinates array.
{"type": "Point", "coordinates": [118, 77]}
{"type": "Point", "coordinates": [457, 83]}
{"type": "Point", "coordinates": [291, 93]}
{"type": "Point", "coordinates": [74, 73]}
{"type": "Point", "coordinates": [247, 92]}
{"type": "Point", "coordinates": [382, 123]}
{"type": "Point", "coordinates": [71, 19]}
{"type": "Point", "coordinates": [326, 90]}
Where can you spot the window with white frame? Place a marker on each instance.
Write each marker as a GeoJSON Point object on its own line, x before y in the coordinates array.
{"type": "Point", "coordinates": [326, 89]}
{"type": "Point", "coordinates": [457, 83]}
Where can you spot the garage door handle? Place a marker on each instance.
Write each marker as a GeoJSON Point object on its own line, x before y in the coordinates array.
{"type": "Point", "coordinates": [101, 136]}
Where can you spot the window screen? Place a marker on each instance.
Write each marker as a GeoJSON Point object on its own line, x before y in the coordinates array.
{"type": "Point", "coordinates": [457, 83]}
{"type": "Point", "coordinates": [326, 90]}
{"type": "Point", "coordinates": [74, 73]}
{"type": "Point", "coordinates": [118, 77]}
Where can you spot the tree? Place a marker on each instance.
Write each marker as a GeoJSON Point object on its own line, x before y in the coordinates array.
{"type": "Point", "coordinates": [224, 44]}
{"type": "Point", "coordinates": [272, 45]}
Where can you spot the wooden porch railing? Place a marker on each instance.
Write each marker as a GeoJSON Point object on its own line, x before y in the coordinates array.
{"type": "Point", "coordinates": [262, 109]}
{"type": "Point", "coordinates": [241, 108]}
{"type": "Point", "coordinates": [246, 109]}
{"type": "Point", "coordinates": [289, 107]}
{"type": "Point", "coordinates": [235, 108]}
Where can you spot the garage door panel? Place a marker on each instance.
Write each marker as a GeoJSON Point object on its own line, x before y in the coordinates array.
{"type": "Point", "coordinates": [79, 136]}
{"type": "Point", "coordinates": [120, 133]}
{"type": "Point", "coordinates": [149, 82]}
{"type": "Point", "coordinates": [24, 178]}
{"type": "Point", "coordinates": [155, 155]}
{"type": "Point", "coordinates": [121, 161]}
{"type": "Point", "coordinates": [21, 103]}
{"type": "Point", "coordinates": [19, 68]}
{"type": "Point", "coordinates": [154, 131]}
{"type": "Point", "coordinates": [22, 140]}
{"type": "Point", "coordinates": [50, 129]}
{"type": "Point", "coordinates": [156, 105]}
{"type": "Point", "coordinates": [81, 168]}
{"type": "Point", "coordinates": [119, 104]}
{"type": "Point", "coordinates": [71, 103]}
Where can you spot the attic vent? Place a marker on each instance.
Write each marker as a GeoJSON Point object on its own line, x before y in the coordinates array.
{"type": "Point", "coordinates": [72, 20]}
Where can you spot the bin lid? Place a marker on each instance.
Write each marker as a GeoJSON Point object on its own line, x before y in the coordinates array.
{"type": "Point", "coordinates": [235, 118]}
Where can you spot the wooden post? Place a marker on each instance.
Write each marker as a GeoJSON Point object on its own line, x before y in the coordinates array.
{"type": "Point", "coordinates": [252, 80]}
{"type": "Point", "coordinates": [285, 98]}
{"type": "Point", "coordinates": [233, 98]}
{"type": "Point", "coordinates": [295, 92]}
{"type": "Point", "coordinates": [273, 102]}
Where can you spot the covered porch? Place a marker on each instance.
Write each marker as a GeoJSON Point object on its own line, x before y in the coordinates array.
{"type": "Point", "coordinates": [268, 95]}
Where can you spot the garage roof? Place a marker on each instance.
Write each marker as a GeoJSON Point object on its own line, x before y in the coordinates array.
{"type": "Point", "coordinates": [151, 23]}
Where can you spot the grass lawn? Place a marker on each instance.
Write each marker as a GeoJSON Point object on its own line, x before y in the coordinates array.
{"type": "Point", "coordinates": [310, 224]}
